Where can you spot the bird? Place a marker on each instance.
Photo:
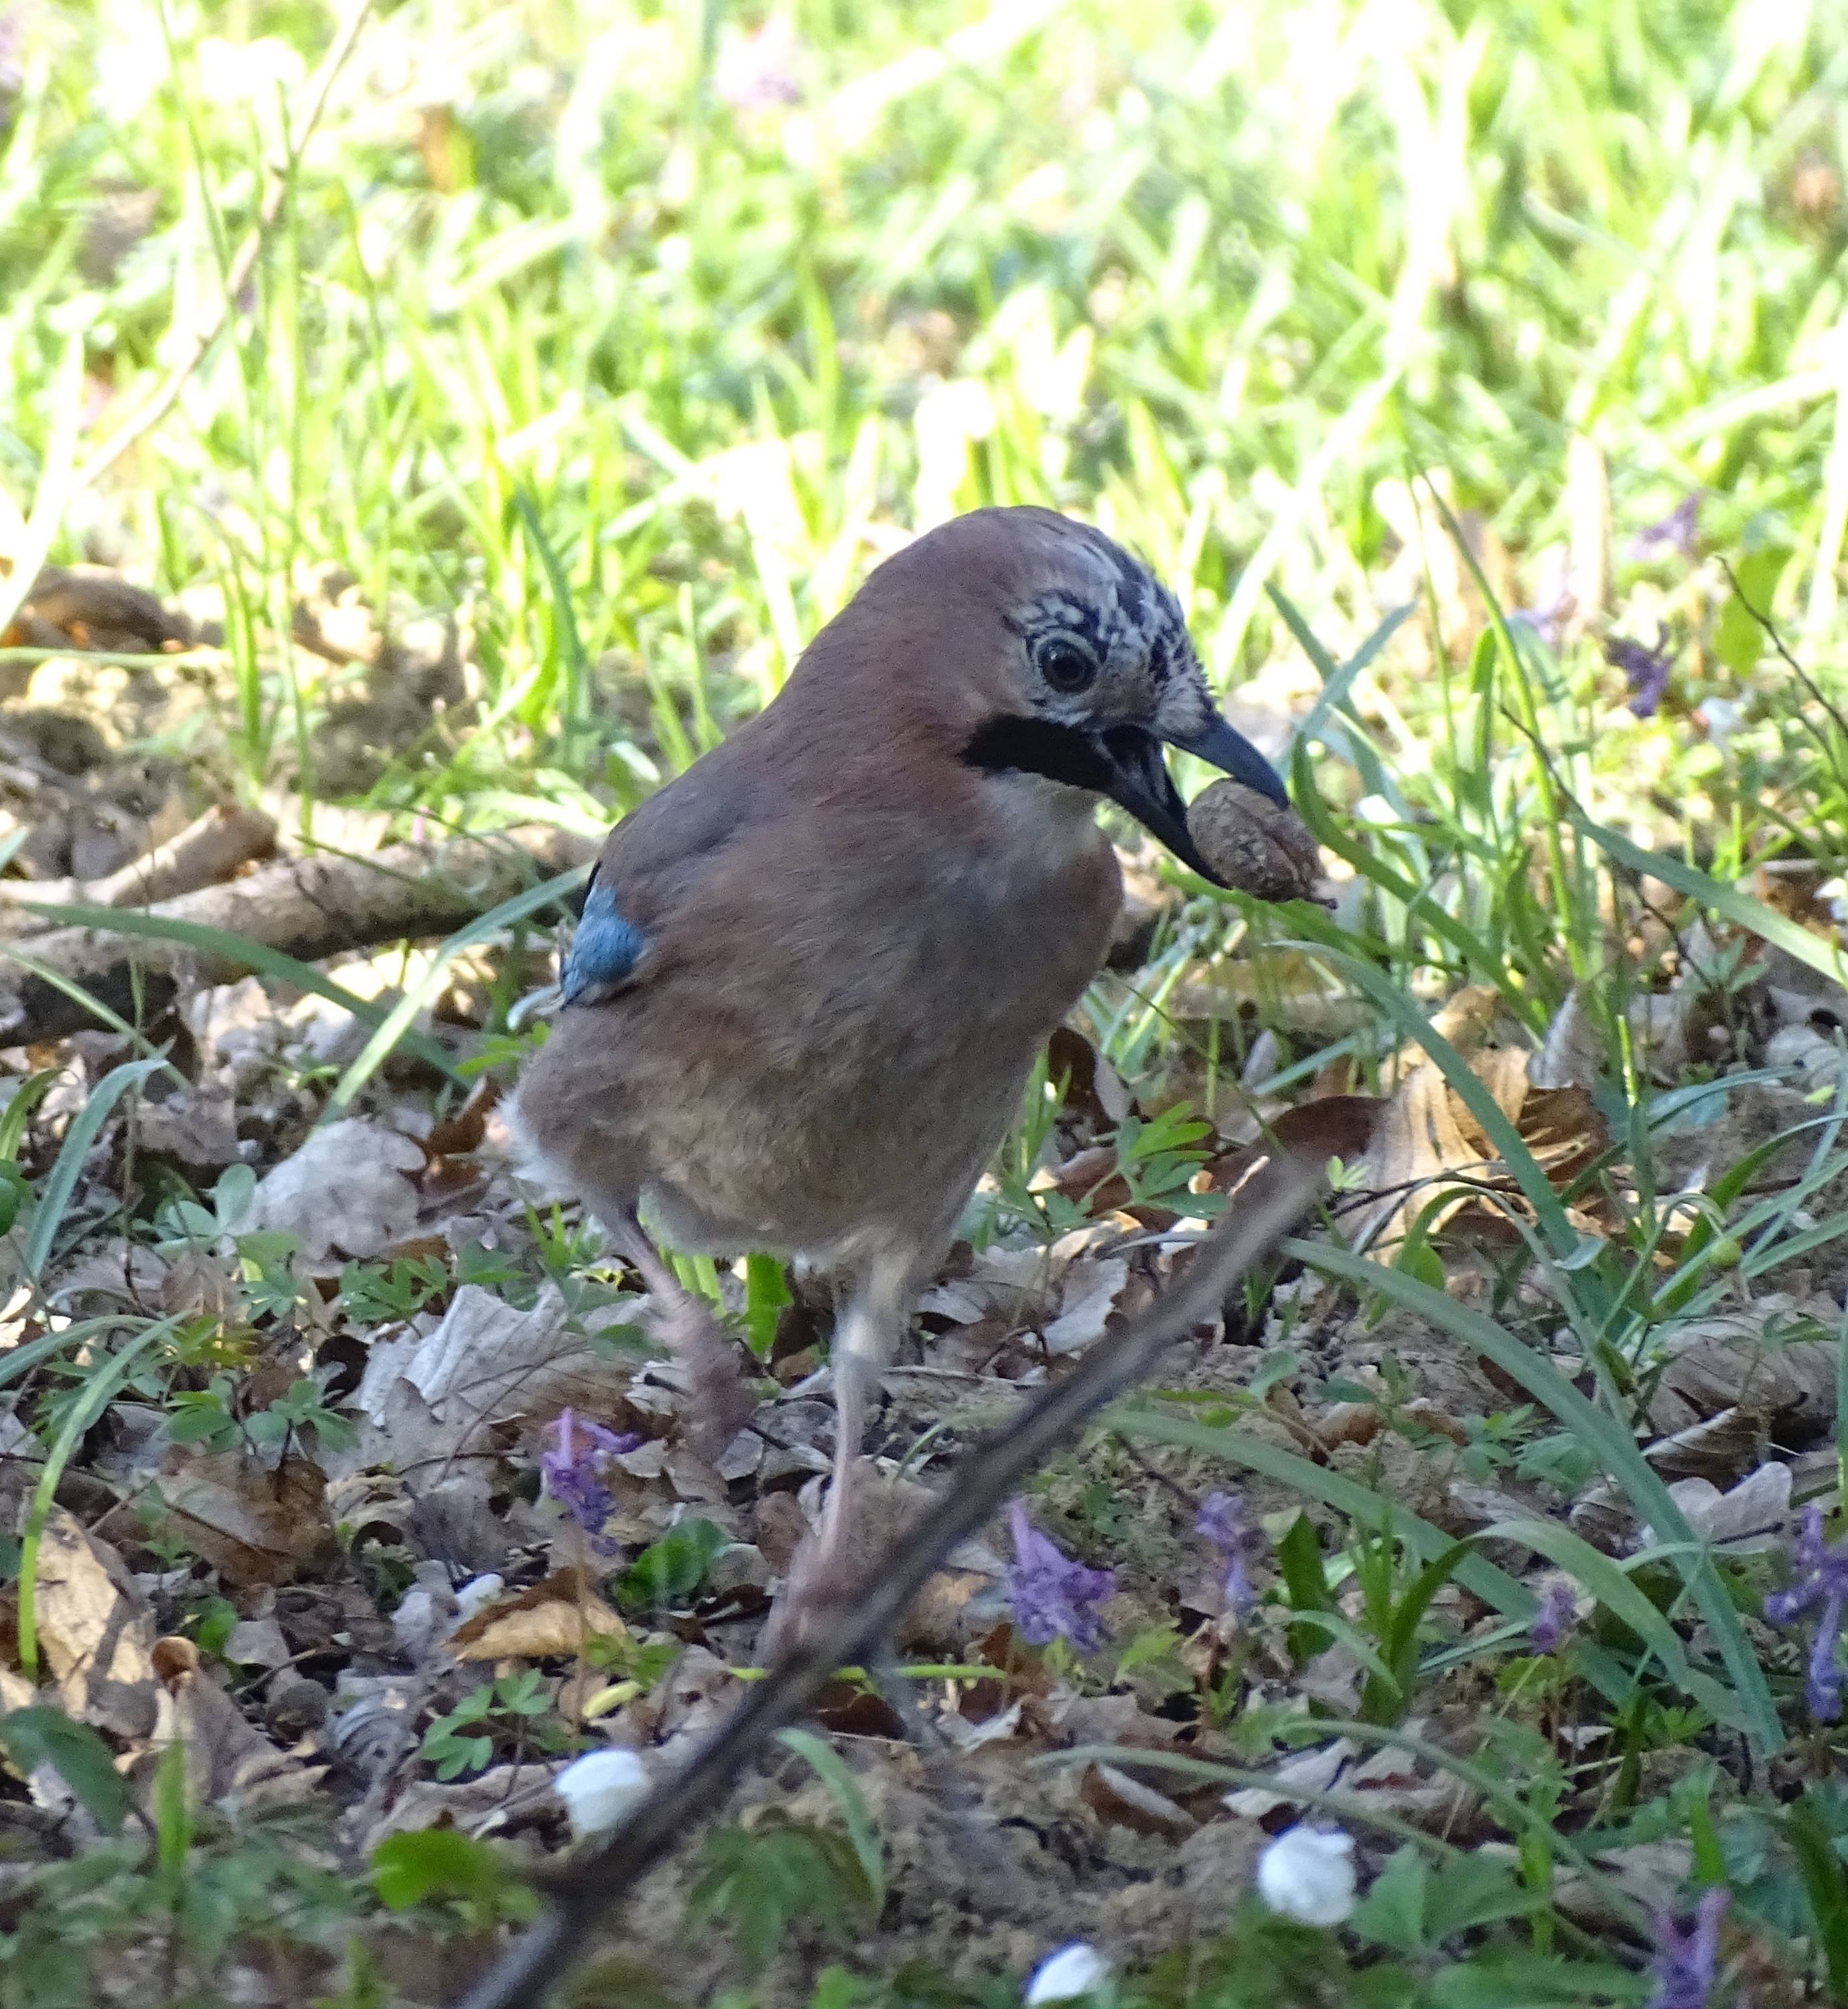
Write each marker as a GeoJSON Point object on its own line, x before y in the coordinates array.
{"type": "Point", "coordinates": [813, 972]}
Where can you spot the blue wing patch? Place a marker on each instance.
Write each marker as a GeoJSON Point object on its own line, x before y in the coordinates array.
{"type": "Point", "coordinates": [603, 952]}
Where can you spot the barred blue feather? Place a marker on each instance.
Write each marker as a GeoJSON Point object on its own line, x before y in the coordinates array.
{"type": "Point", "coordinates": [604, 951]}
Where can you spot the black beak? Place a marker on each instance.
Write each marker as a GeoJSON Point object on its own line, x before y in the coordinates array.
{"type": "Point", "coordinates": [1233, 754]}
{"type": "Point", "coordinates": [1139, 781]}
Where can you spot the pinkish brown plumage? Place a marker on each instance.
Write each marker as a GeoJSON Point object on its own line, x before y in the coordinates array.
{"type": "Point", "coordinates": [814, 971]}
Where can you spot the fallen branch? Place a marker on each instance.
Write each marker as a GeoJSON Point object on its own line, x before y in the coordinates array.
{"type": "Point", "coordinates": [205, 852]}
{"type": "Point", "coordinates": [302, 907]}
{"type": "Point", "coordinates": [853, 1628]}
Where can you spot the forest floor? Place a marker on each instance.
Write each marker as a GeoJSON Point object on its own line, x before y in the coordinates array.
{"type": "Point", "coordinates": [431, 433]}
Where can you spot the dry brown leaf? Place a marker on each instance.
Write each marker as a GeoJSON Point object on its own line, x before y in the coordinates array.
{"type": "Point", "coordinates": [461, 1131]}
{"type": "Point", "coordinates": [252, 1526]}
{"type": "Point", "coordinates": [687, 1706]}
{"type": "Point", "coordinates": [430, 1398]}
{"type": "Point", "coordinates": [1329, 1126]}
{"type": "Point", "coordinates": [1094, 1089]}
{"type": "Point", "coordinates": [1113, 1796]}
{"type": "Point", "coordinates": [1757, 1507]}
{"type": "Point", "coordinates": [1418, 1140]}
{"type": "Point", "coordinates": [1563, 1130]}
{"type": "Point", "coordinates": [1064, 1293]}
{"type": "Point", "coordinates": [1428, 1132]}
{"type": "Point", "coordinates": [557, 1616]}
{"type": "Point", "coordinates": [1347, 1422]}
{"type": "Point", "coordinates": [95, 1631]}
{"type": "Point", "coordinates": [1295, 991]}
{"type": "Point", "coordinates": [1572, 1054]}
{"type": "Point", "coordinates": [1746, 1519]}
{"type": "Point", "coordinates": [503, 1798]}
{"type": "Point", "coordinates": [1112, 1719]}
{"type": "Point", "coordinates": [1719, 1448]}
{"type": "Point", "coordinates": [350, 1189]}
{"type": "Point", "coordinates": [256, 1643]}
{"type": "Point", "coordinates": [1721, 1362]}
{"type": "Point", "coordinates": [1312, 1771]}
{"type": "Point", "coordinates": [226, 1760]}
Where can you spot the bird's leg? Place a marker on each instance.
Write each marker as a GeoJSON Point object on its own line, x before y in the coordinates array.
{"type": "Point", "coordinates": [855, 1380]}
{"type": "Point", "coordinates": [866, 1336]}
{"type": "Point", "coordinates": [829, 1564]}
{"type": "Point", "coordinates": [719, 1406]}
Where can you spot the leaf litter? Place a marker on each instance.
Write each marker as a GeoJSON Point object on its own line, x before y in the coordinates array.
{"type": "Point", "coordinates": [313, 1549]}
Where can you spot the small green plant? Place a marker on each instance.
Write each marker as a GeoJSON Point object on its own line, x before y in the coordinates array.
{"type": "Point", "coordinates": [1395, 1596]}
{"type": "Point", "coordinates": [1157, 1158]}
{"type": "Point", "coordinates": [261, 1259]}
{"type": "Point", "coordinates": [179, 1893]}
{"type": "Point", "coordinates": [668, 1571]}
{"type": "Point", "coordinates": [636, 1666]}
{"type": "Point", "coordinates": [373, 1292]}
{"type": "Point", "coordinates": [1413, 1906]}
{"type": "Point", "coordinates": [760, 1881]}
{"type": "Point", "coordinates": [439, 1868]}
{"type": "Point", "coordinates": [209, 1417]}
{"type": "Point", "coordinates": [513, 1714]}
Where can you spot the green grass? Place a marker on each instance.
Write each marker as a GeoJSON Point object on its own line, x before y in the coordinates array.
{"type": "Point", "coordinates": [1212, 280]}
{"type": "Point", "coordinates": [549, 332]}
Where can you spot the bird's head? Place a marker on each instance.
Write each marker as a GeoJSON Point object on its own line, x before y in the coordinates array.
{"type": "Point", "coordinates": [1065, 657]}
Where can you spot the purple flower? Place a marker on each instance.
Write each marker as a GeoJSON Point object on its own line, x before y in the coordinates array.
{"type": "Point", "coordinates": [575, 1458]}
{"type": "Point", "coordinates": [1677, 530]}
{"type": "Point", "coordinates": [1821, 1584]}
{"type": "Point", "coordinates": [1647, 669]}
{"type": "Point", "coordinates": [1055, 1597]}
{"type": "Point", "coordinates": [1221, 1523]}
{"type": "Point", "coordinates": [1687, 1957]}
{"type": "Point", "coordinates": [1555, 1621]}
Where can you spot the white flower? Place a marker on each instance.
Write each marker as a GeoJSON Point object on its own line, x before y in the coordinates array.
{"type": "Point", "coordinates": [1073, 1970]}
{"type": "Point", "coordinates": [1721, 717]}
{"type": "Point", "coordinates": [470, 1596]}
{"type": "Point", "coordinates": [1307, 1874]}
{"type": "Point", "coordinates": [599, 1788]}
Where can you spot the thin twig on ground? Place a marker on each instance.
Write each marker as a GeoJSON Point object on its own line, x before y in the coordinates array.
{"type": "Point", "coordinates": [209, 850]}
{"type": "Point", "coordinates": [306, 908]}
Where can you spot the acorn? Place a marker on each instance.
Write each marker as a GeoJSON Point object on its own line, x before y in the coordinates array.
{"type": "Point", "coordinates": [1253, 844]}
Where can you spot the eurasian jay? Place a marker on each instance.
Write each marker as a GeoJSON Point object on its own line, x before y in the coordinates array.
{"type": "Point", "coordinates": [813, 972]}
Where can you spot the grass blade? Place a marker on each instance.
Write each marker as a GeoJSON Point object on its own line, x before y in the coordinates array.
{"type": "Point", "coordinates": [258, 957]}
{"type": "Point", "coordinates": [830, 1769]}
{"type": "Point", "coordinates": [1504, 1139]}
{"type": "Point", "coordinates": [396, 1022]}
{"type": "Point", "coordinates": [1360, 1504]}
{"type": "Point", "coordinates": [1741, 909]}
{"type": "Point", "coordinates": [61, 1183]}
{"type": "Point", "coordinates": [1593, 1570]}
{"type": "Point", "coordinates": [97, 1391]}
{"type": "Point", "coordinates": [1337, 680]}
{"type": "Point", "coordinates": [1614, 1445]}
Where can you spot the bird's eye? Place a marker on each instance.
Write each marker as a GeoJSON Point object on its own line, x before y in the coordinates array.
{"type": "Point", "coordinates": [1064, 665]}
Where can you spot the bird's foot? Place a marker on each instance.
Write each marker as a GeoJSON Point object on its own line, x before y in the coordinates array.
{"type": "Point", "coordinates": [829, 1564]}
{"type": "Point", "coordinates": [718, 1405]}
